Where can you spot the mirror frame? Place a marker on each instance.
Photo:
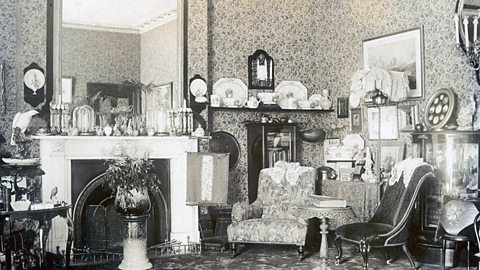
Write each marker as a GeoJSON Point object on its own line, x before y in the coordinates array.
{"type": "Point", "coordinates": [54, 56]}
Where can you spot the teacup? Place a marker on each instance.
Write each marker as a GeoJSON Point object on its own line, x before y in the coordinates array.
{"type": "Point", "coordinates": [251, 103]}
{"type": "Point", "coordinates": [230, 102]}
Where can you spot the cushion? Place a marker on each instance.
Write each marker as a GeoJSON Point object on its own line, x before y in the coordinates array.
{"type": "Point", "coordinates": [268, 231]}
{"type": "Point", "coordinates": [357, 231]}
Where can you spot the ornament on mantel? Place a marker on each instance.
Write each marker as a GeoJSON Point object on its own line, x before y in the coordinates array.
{"type": "Point", "coordinates": [368, 176]}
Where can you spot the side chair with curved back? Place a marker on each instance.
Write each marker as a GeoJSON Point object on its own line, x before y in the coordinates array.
{"type": "Point", "coordinates": [389, 225]}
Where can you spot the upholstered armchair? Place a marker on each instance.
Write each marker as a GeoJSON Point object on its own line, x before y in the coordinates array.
{"type": "Point", "coordinates": [271, 219]}
{"type": "Point", "coordinates": [389, 225]}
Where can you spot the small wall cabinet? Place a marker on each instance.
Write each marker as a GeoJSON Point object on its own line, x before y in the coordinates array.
{"type": "Point", "coordinates": [268, 143]}
{"type": "Point", "coordinates": [454, 156]}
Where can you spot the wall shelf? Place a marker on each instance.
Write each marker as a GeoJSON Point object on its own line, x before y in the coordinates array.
{"type": "Point", "coordinates": [263, 109]}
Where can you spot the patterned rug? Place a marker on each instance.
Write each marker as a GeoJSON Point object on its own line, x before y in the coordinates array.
{"type": "Point", "coordinates": [271, 257]}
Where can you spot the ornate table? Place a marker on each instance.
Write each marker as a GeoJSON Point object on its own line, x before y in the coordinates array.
{"type": "Point", "coordinates": [330, 218]}
{"type": "Point", "coordinates": [44, 217]}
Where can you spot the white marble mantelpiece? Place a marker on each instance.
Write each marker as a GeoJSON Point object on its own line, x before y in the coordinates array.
{"type": "Point", "coordinates": [57, 152]}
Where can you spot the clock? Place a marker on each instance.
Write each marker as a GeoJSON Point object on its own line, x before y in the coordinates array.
{"type": "Point", "coordinates": [34, 85]}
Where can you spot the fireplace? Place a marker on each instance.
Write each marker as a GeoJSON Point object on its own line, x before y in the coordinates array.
{"type": "Point", "coordinates": [94, 217]}
{"type": "Point", "coordinates": [61, 154]}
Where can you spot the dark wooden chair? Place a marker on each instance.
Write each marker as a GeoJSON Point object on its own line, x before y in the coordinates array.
{"type": "Point", "coordinates": [389, 225]}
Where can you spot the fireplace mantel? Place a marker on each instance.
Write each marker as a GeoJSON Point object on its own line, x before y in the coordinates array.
{"type": "Point", "coordinates": [57, 152]}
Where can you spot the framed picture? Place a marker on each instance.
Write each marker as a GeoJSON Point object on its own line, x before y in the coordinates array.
{"type": "Point", "coordinates": [356, 120]}
{"type": "Point", "coordinates": [401, 51]}
{"type": "Point", "coordinates": [391, 154]}
{"type": "Point", "coordinates": [160, 98]}
{"type": "Point", "coordinates": [342, 107]}
{"type": "Point", "coordinates": [387, 116]}
{"type": "Point", "coordinates": [407, 117]}
{"type": "Point", "coordinates": [67, 90]}
{"type": "Point", "coordinates": [261, 71]}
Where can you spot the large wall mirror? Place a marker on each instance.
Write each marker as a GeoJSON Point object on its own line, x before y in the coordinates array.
{"type": "Point", "coordinates": [97, 45]}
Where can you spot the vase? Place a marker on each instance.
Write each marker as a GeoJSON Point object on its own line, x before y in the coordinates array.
{"type": "Point", "coordinates": [132, 202]}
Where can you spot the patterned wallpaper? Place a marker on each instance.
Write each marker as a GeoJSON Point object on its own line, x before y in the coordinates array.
{"type": "Point", "coordinates": [159, 55]}
{"type": "Point", "coordinates": [22, 41]}
{"type": "Point", "coordinates": [320, 44]}
{"type": "Point", "coordinates": [99, 57]}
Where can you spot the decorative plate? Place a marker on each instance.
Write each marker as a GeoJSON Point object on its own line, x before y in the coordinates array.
{"type": "Point", "coordinates": [22, 162]}
{"type": "Point", "coordinates": [198, 87]}
{"type": "Point", "coordinates": [231, 87]}
{"type": "Point", "coordinates": [354, 100]}
{"type": "Point", "coordinates": [224, 142]}
{"type": "Point", "coordinates": [318, 99]}
{"type": "Point", "coordinates": [351, 140]}
{"type": "Point", "coordinates": [439, 108]}
{"type": "Point", "coordinates": [298, 90]}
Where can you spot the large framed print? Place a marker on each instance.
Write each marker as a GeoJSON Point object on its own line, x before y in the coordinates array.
{"type": "Point", "coordinates": [402, 52]}
{"type": "Point", "coordinates": [388, 125]}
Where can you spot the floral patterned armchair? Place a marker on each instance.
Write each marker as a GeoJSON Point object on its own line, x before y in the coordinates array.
{"type": "Point", "coordinates": [271, 219]}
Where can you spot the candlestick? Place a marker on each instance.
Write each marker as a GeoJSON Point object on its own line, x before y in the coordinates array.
{"type": "Point", "coordinates": [457, 33]}
{"type": "Point", "coordinates": [465, 26]}
{"type": "Point", "coordinates": [475, 25]}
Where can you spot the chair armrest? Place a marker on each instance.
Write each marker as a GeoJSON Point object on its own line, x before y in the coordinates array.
{"type": "Point", "coordinates": [242, 211]}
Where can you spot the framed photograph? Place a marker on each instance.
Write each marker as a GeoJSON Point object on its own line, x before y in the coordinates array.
{"type": "Point", "coordinates": [407, 117]}
{"type": "Point", "coordinates": [342, 107]}
{"type": "Point", "coordinates": [261, 71]}
{"type": "Point", "coordinates": [401, 51]}
{"type": "Point", "coordinates": [387, 118]}
{"type": "Point", "coordinates": [391, 154]}
{"type": "Point", "coordinates": [67, 90]}
{"type": "Point", "coordinates": [356, 120]}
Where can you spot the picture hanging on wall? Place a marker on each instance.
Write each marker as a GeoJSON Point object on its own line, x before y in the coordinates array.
{"type": "Point", "coordinates": [391, 154]}
{"type": "Point", "coordinates": [67, 90]}
{"type": "Point", "coordinates": [388, 126]}
{"type": "Point", "coordinates": [407, 117]}
{"type": "Point", "coordinates": [356, 120]}
{"type": "Point", "coordinates": [401, 52]}
{"type": "Point", "coordinates": [261, 71]}
{"type": "Point", "coordinates": [342, 107]}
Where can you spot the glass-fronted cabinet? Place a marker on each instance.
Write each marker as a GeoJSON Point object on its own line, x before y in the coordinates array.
{"type": "Point", "coordinates": [454, 156]}
{"type": "Point", "coordinates": [268, 143]}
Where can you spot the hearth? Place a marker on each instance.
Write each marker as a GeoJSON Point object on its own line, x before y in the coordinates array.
{"type": "Point", "coordinates": [96, 223]}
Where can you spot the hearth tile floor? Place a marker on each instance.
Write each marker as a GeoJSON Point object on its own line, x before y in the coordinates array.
{"type": "Point", "coordinates": [273, 257]}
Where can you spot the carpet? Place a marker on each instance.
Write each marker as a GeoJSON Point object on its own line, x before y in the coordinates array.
{"type": "Point", "coordinates": [271, 257]}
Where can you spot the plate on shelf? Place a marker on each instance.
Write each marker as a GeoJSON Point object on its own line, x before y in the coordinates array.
{"type": "Point", "coordinates": [22, 162]}
{"type": "Point", "coordinates": [318, 99]}
{"type": "Point", "coordinates": [298, 90]}
{"type": "Point", "coordinates": [237, 88]}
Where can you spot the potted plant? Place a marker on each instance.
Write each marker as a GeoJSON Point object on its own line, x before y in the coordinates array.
{"type": "Point", "coordinates": [130, 175]}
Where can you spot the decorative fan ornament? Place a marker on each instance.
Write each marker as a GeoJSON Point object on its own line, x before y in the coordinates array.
{"type": "Point", "coordinates": [440, 108]}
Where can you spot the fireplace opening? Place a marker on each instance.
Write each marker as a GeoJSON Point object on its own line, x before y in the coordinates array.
{"type": "Point", "coordinates": [96, 223]}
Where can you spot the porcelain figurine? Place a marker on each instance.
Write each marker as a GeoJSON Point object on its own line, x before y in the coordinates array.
{"type": "Point", "coordinates": [22, 120]}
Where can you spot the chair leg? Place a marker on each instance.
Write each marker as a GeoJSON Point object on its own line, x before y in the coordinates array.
{"type": "Point", "coordinates": [468, 255]}
{"type": "Point", "coordinates": [409, 256]}
{"type": "Point", "coordinates": [233, 247]}
{"type": "Point", "coordinates": [444, 250]}
{"type": "Point", "coordinates": [338, 244]}
{"type": "Point", "coordinates": [300, 253]}
{"type": "Point", "coordinates": [364, 249]}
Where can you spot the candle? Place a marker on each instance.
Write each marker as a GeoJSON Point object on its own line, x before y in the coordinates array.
{"type": "Point", "coordinates": [465, 26]}
{"type": "Point", "coordinates": [475, 25]}
{"type": "Point", "coordinates": [457, 33]}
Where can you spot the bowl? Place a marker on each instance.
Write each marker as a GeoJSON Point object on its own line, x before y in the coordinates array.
{"type": "Point", "coordinates": [20, 205]}
{"type": "Point", "coordinates": [312, 135]}
{"type": "Point", "coordinates": [306, 104]}
{"type": "Point", "coordinates": [268, 98]}
{"type": "Point", "coordinates": [231, 102]}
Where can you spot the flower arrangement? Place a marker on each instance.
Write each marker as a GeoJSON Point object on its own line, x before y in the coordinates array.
{"type": "Point", "coordinates": [131, 169]}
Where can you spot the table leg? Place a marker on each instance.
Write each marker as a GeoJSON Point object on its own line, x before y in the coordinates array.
{"type": "Point", "coordinates": [323, 243]}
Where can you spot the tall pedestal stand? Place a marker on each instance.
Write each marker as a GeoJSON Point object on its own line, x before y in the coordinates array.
{"type": "Point", "coordinates": [135, 243]}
